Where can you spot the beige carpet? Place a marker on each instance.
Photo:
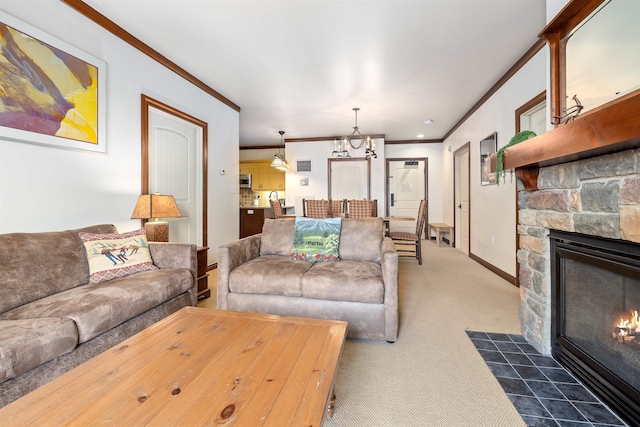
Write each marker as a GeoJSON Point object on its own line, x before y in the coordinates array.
{"type": "Point", "coordinates": [433, 375]}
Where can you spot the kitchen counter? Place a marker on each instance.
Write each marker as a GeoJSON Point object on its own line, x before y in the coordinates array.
{"type": "Point", "coordinates": [261, 206]}
{"type": "Point", "coordinates": [252, 218]}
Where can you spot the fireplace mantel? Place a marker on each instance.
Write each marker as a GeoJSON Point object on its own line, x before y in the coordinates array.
{"type": "Point", "coordinates": [607, 129]}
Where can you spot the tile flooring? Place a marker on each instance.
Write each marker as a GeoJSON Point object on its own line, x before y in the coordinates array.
{"type": "Point", "coordinates": [542, 391]}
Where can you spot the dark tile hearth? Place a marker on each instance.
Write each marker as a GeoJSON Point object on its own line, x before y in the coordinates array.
{"type": "Point", "coordinates": [543, 392]}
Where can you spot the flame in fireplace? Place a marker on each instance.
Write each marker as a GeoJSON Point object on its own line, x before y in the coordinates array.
{"type": "Point", "coordinates": [628, 329]}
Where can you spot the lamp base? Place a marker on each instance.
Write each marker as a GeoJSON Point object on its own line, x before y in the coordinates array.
{"type": "Point", "coordinates": [157, 231]}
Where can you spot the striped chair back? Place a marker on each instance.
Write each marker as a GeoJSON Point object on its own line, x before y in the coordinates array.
{"type": "Point", "coordinates": [337, 208]}
{"type": "Point", "coordinates": [362, 208]}
{"type": "Point", "coordinates": [276, 208]}
{"type": "Point", "coordinates": [316, 208]}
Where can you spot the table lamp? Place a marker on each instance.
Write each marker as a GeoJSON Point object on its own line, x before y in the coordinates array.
{"type": "Point", "coordinates": [155, 206]}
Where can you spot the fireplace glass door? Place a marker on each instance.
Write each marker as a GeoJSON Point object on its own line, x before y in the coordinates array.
{"type": "Point", "coordinates": [597, 300]}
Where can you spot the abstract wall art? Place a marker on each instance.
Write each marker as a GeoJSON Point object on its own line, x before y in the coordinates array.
{"type": "Point", "coordinates": [51, 92]}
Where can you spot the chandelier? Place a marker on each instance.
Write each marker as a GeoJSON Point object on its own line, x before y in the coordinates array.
{"type": "Point", "coordinates": [279, 162]}
{"type": "Point", "coordinates": [343, 147]}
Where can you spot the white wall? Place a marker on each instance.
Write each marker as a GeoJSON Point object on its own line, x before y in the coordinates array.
{"type": "Point", "coordinates": [319, 152]}
{"type": "Point", "coordinates": [259, 154]}
{"type": "Point", "coordinates": [493, 207]}
{"type": "Point", "coordinates": [47, 189]}
{"type": "Point", "coordinates": [433, 153]}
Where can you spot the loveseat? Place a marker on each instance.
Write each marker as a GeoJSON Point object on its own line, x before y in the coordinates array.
{"type": "Point", "coordinates": [52, 319]}
{"type": "Point", "coordinates": [258, 274]}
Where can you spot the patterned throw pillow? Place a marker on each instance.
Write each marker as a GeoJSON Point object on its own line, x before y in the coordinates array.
{"type": "Point", "coordinates": [316, 240]}
{"type": "Point", "coordinates": [116, 255]}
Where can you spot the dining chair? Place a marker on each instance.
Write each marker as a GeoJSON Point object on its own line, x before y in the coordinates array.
{"type": "Point", "coordinates": [276, 208]}
{"type": "Point", "coordinates": [362, 208]}
{"type": "Point", "coordinates": [316, 208]}
{"type": "Point", "coordinates": [337, 208]}
{"type": "Point", "coordinates": [408, 244]}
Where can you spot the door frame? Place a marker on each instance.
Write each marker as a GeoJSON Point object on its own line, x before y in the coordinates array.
{"type": "Point", "coordinates": [148, 102]}
{"type": "Point", "coordinates": [456, 174]}
{"type": "Point", "coordinates": [426, 184]}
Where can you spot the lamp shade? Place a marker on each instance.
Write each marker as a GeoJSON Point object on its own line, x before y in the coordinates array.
{"type": "Point", "coordinates": [277, 162]}
{"type": "Point", "coordinates": [156, 206]}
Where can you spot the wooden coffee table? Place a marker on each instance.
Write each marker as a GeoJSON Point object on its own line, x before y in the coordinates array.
{"type": "Point", "coordinates": [198, 367]}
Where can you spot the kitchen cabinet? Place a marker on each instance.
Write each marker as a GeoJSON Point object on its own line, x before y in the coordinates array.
{"type": "Point", "coordinates": [251, 220]}
{"type": "Point", "coordinates": [263, 176]}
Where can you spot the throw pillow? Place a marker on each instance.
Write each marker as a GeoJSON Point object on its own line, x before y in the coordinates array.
{"type": "Point", "coordinates": [116, 255]}
{"type": "Point", "coordinates": [316, 240]}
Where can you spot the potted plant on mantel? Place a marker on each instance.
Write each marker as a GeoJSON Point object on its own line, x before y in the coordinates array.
{"type": "Point", "coordinates": [523, 135]}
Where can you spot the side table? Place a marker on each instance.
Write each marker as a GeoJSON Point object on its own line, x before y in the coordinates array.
{"type": "Point", "coordinates": [203, 276]}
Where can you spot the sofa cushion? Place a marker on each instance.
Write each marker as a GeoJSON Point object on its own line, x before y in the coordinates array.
{"type": "Point", "coordinates": [316, 239]}
{"type": "Point", "coordinates": [36, 265]}
{"type": "Point", "coordinates": [353, 281]}
{"type": "Point", "coordinates": [361, 239]}
{"type": "Point", "coordinates": [98, 308]}
{"type": "Point", "coordinates": [277, 236]}
{"type": "Point", "coordinates": [116, 255]}
{"type": "Point", "coordinates": [271, 274]}
{"type": "Point", "coordinates": [25, 344]}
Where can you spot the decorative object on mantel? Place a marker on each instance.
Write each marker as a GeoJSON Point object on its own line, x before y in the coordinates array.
{"type": "Point", "coordinates": [517, 138]}
{"type": "Point", "coordinates": [570, 113]}
{"type": "Point", "coordinates": [279, 162]}
{"type": "Point", "coordinates": [156, 206]}
{"type": "Point", "coordinates": [342, 148]}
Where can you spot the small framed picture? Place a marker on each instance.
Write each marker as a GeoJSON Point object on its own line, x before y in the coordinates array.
{"type": "Point", "coordinates": [488, 146]}
{"type": "Point", "coordinates": [304, 182]}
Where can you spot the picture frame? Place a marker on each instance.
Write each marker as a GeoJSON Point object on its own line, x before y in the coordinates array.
{"type": "Point", "coordinates": [488, 146]}
{"type": "Point", "coordinates": [56, 93]}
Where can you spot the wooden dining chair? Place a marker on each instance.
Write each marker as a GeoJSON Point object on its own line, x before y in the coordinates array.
{"type": "Point", "coordinates": [408, 244]}
{"type": "Point", "coordinates": [276, 207]}
{"type": "Point", "coordinates": [362, 208]}
{"type": "Point", "coordinates": [316, 208]}
{"type": "Point", "coordinates": [337, 208]}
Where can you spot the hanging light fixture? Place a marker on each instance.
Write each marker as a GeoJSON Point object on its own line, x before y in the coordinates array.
{"type": "Point", "coordinates": [279, 162]}
{"type": "Point", "coordinates": [343, 147]}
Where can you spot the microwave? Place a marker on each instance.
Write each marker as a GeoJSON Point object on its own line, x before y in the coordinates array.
{"type": "Point", "coordinates": [245, 180]}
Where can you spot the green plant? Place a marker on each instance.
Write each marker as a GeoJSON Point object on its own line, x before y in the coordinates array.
{"type": "Point", "coordinates": [523, 135]}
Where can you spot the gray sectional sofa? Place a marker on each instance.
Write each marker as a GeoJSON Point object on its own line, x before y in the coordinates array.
{"type": "Point", "coordinates": [256, 274]}
{"type": "Point", "coordinates": [52, 320]}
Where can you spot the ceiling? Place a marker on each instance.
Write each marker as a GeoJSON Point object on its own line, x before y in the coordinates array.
{"type": "Point", "coordinates": [302, 65]}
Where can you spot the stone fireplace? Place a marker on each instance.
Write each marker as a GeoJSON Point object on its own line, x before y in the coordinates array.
{"type": "Point", "coordinates": [597, 197]}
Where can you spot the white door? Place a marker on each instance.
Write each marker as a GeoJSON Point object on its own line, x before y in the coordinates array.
{"type": "Point", "coordinates": [175, 150]}
{"type": "Point", "coordinates": [406, 189]}
{"type": "Point", "coordinates": [462, 200]}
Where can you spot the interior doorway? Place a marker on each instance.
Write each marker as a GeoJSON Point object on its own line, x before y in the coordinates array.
{"type": "Point", "coordinates": [174, 162]}
{"type": "Point", "coordinates": [407, 184]}
{"type": "Point", "coordinates": [462, 200]}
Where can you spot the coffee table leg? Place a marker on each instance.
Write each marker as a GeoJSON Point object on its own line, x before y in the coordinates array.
{"type": "Point", "coordinates": [331, 407]}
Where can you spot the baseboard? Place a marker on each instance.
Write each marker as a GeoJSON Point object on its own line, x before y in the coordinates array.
{"type": "Point", "coordinates": [506, 276]}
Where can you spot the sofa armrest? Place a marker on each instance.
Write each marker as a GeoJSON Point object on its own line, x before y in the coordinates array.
{"type": "Point", "coordinates": [231, 256]}
{"type": "Point", "coordinates": [389, 264]}
{"type": "Point", "coordinates": [177, 255]}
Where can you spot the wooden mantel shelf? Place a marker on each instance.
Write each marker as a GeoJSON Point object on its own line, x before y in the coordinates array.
{"type": "Point", "coordinates": [608, 129]}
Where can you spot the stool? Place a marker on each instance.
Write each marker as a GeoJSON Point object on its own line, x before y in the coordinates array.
{"type": "Point", "coordinates": [440, 229]}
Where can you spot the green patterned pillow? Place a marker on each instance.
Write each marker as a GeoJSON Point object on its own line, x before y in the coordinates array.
{"type": "Point", "coordinates": [316, 240]}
